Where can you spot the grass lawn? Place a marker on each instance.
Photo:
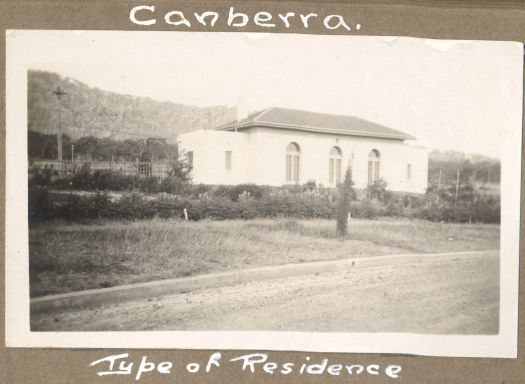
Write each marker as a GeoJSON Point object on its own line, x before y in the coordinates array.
{"type": "Point", "coordinates": [68, 257]}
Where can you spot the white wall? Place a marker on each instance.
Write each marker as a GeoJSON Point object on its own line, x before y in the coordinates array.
{"type": "Point", "coordinates": [209, 152]}
{"type": "Point", "coordinates": [259, 156]}
{"type": "Point", "coordinates": [270, 148]}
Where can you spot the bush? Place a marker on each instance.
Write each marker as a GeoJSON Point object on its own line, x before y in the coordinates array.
{"type": "Point", "coordinates": [84, 207]}
{"type": "Point", "coordinates": [461, 213]}
{"type": "Point", "coordinates": [394, 208]}
{"type": "Point", "coordinates": [469, 206]}
{"type": "Point", "coordinates": [102, 204]}
{"type": "Point", "coordinates": [134, 206]}
{"type": "Point", "coordinates": [233, 192]}
{"type": "Point", "coordinates": [365, 209]}
{"type": "Point", "coordinates": [377, 190]}
{"type": "Point", "coordinates": [245, 201]}
{"type": "Point", "coordinates": [39, 203]}
{"type": "Point", "coordinates": [218, 208]}
{"type": "Point", "coordinates": [107, 180]}
{"type": "Point", "coordinates": [173, 185]}
{"type": "Point", "coordinates": [149, 184]}
{"type": "Point", "coordinates": [199, 189]}
{"type": "Point", "coordinates": [81, 179]}
{"type": "Point", "coordinates": [41, 177]}
{"type": "Point", "coordinates": [86, 179]}
{"type": "Point", "coordinates": [310, 185]}
{"type": "Point", "coordinates": [343, 203]}
{"type": "Point", "coordinates": [486, 210]}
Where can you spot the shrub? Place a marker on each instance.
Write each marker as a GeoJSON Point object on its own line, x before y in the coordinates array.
{"type": "Point", "coordinates": [394, 208]}
{"type": "Point", "coordinates": [343, 203]}
{"type": "Point", "coordinates": [233, 192]}
{"type": "Point", "coordinates": [82, 179]}
{"type": "Point", "coordinates": [310, 185]}
{"type": "Point", "coordinates": [235, 202]}
{"type": "Point", "coordinates": [148, 184]}
{"type": "Point", "coordinates": [365, 209]}
{"type": "Point", "coordinates": [134, 206]}
{"type": "Point", "coordinates": [75, 207]}
{"type": "Point", "coordinates": [247, 210]}
{"type": "Point", "coordinates": [173, 185]}
{"type": "Point", "coordinates": [39, 203]}
{"type": "Point", "coordinates": [469, 205]}
{"type": "Point", "coordinates": [377, 190]}
{"type": "Point", "coordinates": [219, 208]}
{"type": "Point", "coordinates": [483, 212]}
{"type": "Point", "coordinates": [41, 177]}
{"type": "Point", "coordinates": [116, 181]}
{"type": "Point", "coordinates": [199, 189]}
{"type": "Point", "coordinates": [169, 207]}
{"type": "Point", "coordinates": [102, 204]}
{"type": "Point", "coordinates": [489, 213]}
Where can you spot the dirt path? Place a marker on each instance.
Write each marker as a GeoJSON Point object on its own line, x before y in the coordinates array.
{"type": "Point", "coordinates": [454, 297]}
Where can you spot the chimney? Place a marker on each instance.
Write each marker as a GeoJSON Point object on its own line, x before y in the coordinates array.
{"type": "Point", "coordinates": [242, 109]}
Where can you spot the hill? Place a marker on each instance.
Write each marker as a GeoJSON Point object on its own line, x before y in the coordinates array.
{"type": "Point", "coordinates": [87, 111]}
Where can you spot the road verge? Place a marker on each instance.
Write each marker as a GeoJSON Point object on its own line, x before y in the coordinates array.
{"type": "Point", "coordinates": [187, 284]}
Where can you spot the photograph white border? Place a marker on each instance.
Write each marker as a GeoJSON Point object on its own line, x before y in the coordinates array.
{"type": "Point", "coordinates": [17, 313]}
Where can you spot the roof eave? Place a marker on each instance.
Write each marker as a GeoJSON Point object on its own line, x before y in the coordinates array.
{"type": "Point", "coordinates": [248, 125]}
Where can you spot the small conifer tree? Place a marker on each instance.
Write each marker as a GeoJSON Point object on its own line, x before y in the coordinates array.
{"type": "Point", "coordinates": [343, 204]}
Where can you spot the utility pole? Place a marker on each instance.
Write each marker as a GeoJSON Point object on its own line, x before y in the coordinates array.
{"type": "Point", "coordinates": [457, 186]}
{"type": "Point", "coordinates": [59, 93]}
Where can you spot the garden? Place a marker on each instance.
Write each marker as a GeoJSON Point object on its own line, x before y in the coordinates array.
{"type": "Point", "coordinates": [99, 229]}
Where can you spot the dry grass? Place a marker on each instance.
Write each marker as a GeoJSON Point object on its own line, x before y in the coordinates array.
{"type": "Point", "coordinates": [70, 257]}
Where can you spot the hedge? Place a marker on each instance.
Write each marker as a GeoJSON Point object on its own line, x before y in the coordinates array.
{"type": "Point", "coordinates": [307, 205]}
{"type": "Point", "coordinates": [108, 180]}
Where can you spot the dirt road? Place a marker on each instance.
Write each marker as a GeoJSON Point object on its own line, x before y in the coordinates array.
{"type": "Point", "coordinates": [453, 297]}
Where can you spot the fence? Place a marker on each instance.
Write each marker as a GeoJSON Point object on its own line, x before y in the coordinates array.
{"type": "Point", "coordinates": [142, 169]}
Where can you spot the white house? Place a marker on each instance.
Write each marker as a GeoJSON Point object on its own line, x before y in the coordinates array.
{"type": "Point", "coordinates": [280, 146]}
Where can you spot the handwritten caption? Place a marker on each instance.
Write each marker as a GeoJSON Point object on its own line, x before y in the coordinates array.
{"type": "Point", "coordinates": [148, 15]}
{"type": "Point", "coordinates": [251, 363]}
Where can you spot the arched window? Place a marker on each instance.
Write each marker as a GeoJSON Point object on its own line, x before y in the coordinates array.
{"type": "Point", "coordinates": [334, 165]}
{"type": "Point", "coordinates": [374, 160]}
{"type": "Point", "coordinates": [293, 159]}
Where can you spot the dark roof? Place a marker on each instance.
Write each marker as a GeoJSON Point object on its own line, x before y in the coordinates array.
{"type": "Point", "coordinates": [315, 122]}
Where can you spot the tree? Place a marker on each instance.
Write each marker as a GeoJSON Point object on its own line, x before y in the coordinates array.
{"type": "Point", "coordinates": [343, 204]}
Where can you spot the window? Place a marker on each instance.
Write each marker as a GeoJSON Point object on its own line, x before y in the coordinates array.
{"type": "Point", "coordinates": [334, 165]}
{"type": "Point", "coordinates": [373, 166]}
{"type": "Point", "coordinates": [293, 158]}
{"type": "Point", "coordinates": [409, 172]}
{"type": "Point", "coordinates": [228, 160]}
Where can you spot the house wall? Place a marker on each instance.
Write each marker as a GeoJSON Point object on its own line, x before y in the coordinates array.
{"type": "Point", "coordinates": [270, 148]}
{"type": "Point", "coordinates": [209, 162]}
{"type": "Point", "coordinates": [259, 156]}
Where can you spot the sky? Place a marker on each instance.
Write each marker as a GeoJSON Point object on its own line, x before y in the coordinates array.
{"type": "Point", "coordinates": [458, 95]}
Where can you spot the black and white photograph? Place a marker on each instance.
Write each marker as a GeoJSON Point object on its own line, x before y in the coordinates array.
{"type": "Point", "coordinates": [258, 190]}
